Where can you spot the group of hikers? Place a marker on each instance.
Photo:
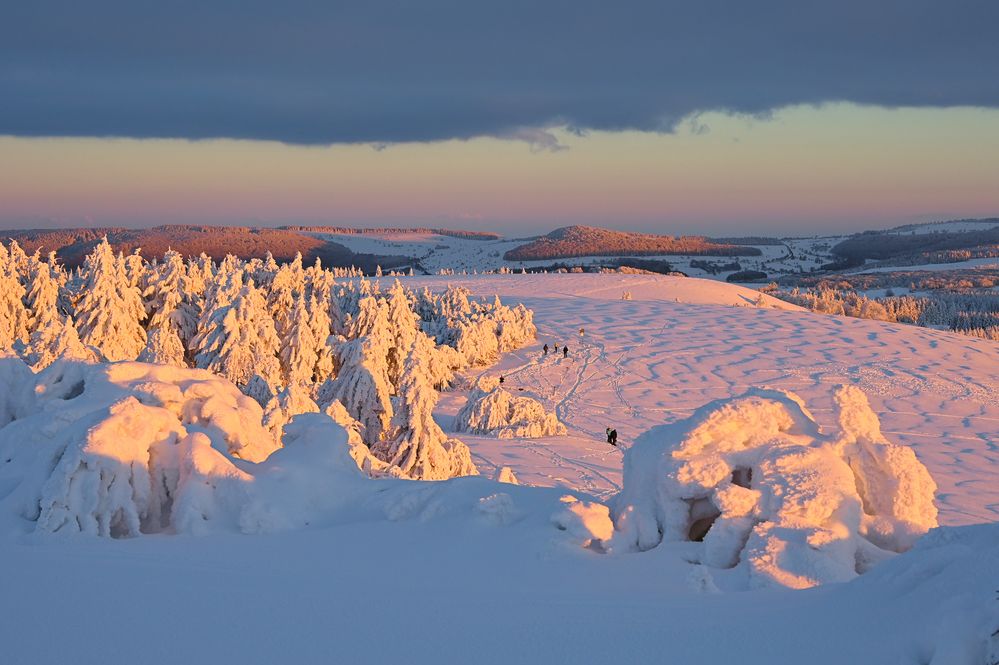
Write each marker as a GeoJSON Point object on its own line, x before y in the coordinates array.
{"type": "Point", "coordinates": [611, 433]}
{"type": "Point", "coordinates": [565, 350]}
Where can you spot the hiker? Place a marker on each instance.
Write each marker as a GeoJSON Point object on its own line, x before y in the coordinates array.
{"type": "Point", "coordinates": [556, 348]}
{"type": "Point", "coordinates": [565, 351]}
{"type": "Point", "coordinates": [546, 349]}
{"type": "Point", "coordinates": [501, 379]}
{"type": "Point", "coordinates": [581, 332]}
{"type": "Point", "coordinates": [612, 436]}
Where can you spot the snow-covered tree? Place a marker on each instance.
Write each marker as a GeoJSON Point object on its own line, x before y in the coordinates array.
{"type": "Point", "coordinates": [288, 403]}
{"type": "Point", "coordinates": [13, 315]}
{"type": "Point", "coordinates": [418, 447]}
{"type": "Point", "coordinates": [362, 385]}
{"type": "Point", "coordinates": [288, 285]}
{"type": "Point", "coordinates": [299, 347]}
{"type": "Point", "coordinates": [321, 327]}
{"type": "Point", "coordinates": [57, 340]}
{"type": "Point", "coordinates": [110, 310]}
{"type": "Point", "coordinates": [240, 340]}
{"type": "Point", "coordinates": [172, 320]}
{"type": "Point", "coordinates": [403, 326]}
{"type": "Point", "coordinates": [42, 297]}
{"type": "Point", "coordinates": [135, 270]}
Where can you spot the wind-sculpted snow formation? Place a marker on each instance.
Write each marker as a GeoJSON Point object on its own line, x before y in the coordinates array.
{"type": "Point", "coordinates": [132, 448]}
{"type": "Point", "coordinates": [492, 410]}
{"type": "Point", "coordinates": [773, 496]}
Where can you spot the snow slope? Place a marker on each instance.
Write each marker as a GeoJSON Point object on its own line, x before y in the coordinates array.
{"type": "Point", "coordinates": [651, 361]}
{"type": "Point", "coordinates": [474, 571]}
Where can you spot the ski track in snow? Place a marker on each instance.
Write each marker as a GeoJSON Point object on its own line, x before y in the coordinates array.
{"type": "Point", "coordinates": [651, 361]}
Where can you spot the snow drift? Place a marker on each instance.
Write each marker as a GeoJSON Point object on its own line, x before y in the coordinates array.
{"type": "Point", "coordinates": [768, 493]}
{"type": "Point", "coordinates": [492, 410]}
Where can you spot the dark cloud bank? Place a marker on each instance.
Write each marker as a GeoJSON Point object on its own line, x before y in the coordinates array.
{"type": "Point", "coordinates": [422, 70]}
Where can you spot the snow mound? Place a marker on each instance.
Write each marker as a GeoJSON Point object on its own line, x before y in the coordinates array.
{"type": "Point", "coordinates": [492, 410]}
{"type": "Point", "coordinates": [505, 475]}
{"type": "Point", "coordinates": [768, 493]}
{"type": "Point", "coordinates": [587, 523]}
{"type": "Point", "coordinates": [129, 448]}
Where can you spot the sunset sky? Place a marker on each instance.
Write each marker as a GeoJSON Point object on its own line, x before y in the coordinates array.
{"type": "Point", "coordinates": [706, 117]}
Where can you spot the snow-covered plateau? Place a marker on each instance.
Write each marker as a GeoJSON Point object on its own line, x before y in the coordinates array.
{"type": "Point", "coordinates": [787, 487]}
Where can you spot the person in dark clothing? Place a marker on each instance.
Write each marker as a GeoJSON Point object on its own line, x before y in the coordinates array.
{"type": "Point", "coordinates": [501, 379]}
{"type": "Point", "coordinates": [565, 351]}
{"type": "Point", "coordinates": [556, 348]}
{"type": "Point", "coordinates": [546, 349]}
{"type": "Point", "coordinates": [612, 436]}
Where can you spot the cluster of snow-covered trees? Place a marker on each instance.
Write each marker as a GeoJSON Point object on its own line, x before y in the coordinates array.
{"type": "Point", "coordinates": [973, 313]}
{"type": "Point", "coordinates": [295, 338]}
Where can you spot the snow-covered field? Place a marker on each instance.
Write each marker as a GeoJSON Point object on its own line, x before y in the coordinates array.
{"type": "Point", "coordinates": [474, 571]}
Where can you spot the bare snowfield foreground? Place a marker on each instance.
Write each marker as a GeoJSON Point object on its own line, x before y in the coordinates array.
{"type": "Point", "coordinates": [471, 570]}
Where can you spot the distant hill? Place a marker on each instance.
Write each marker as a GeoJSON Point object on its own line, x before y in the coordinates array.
{"type": "Point", "coordinates": [892, 244]}
{"type": "Point", "coordinates": [385, 230]}
{"type": "Point", "coordinates": [574, 241]}
{"type": "Point", "coordinates": [73, 245]}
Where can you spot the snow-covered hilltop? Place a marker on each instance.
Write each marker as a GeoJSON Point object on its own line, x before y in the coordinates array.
{"type": "Point", "coordinates": [348, 459]}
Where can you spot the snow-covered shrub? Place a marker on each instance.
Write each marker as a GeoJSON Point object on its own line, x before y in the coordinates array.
{"type": "Point", "coordinates": [505, 475]}
{"type": "Point", "coordinates": [755, 479]}
{"type": "Point", "coordinates": [492, 410]}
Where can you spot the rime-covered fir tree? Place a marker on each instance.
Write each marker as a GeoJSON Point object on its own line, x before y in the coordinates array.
{"type": "Point", "coordinates": [45, 322]}
{"type": "Point", "coordinates": [240, 341]}
{"type": "Point", "coordinates": [299, 348]}
{"type": "Point", "coordinates": [171, 316]}
{"type": "Point", "coordinates": [110, 310]}
{"type": "Point", "coordinates": [418, 447]}
{"type": "Point", "coordinates": [403, 329]}
{"type": "Point", "coordinates": [288, 403]}
{"type": "Point", "coordinates": [362, 385]}
{"type": "Point", "coordinates": [13, 315]}
{"type": "Point", "coordinates": [321, 328]}
{"type": "Point", "coordinates": [58, 340]}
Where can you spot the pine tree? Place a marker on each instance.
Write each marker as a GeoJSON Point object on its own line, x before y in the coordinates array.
{"type": "Point", "coordinates": [321, 328]}
{"type": "Point", "coordinates": [58, 340]}
{"type": "Point", "coordinates": [13, 315]}
{"type": "Point", "coordinates": [362, 385]}
{"type": "Point", "coordinates": [110, 310]}
{"type": "Point", "coordinates": [43, 297]}
{"type": "Point", "coordinates": [172, 319]}
{"type": "Point", "coordinates": [403, 326]}
{"type": "Point", "coordinates": [239, 340]}
{"type": "Point", "coordinates": [419, 448]}
{"type": "Point", "coordinates": [135, 270]}
{"type": "Point", "coordinates": [299, 348]}
{"type": "Point", "coordinates": [288, 403]}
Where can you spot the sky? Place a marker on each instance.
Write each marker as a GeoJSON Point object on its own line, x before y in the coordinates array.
{"type": "Point", "coordinates": [711, 117]}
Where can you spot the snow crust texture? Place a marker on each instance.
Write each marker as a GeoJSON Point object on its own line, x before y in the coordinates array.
{"type": "Point", "coordinates": [772, 496]}
{"type": "Point", "coordinates": [492, 410]}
